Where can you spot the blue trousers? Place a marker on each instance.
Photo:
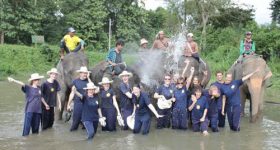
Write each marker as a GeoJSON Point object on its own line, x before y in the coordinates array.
{"type": "Point", "coordinates": [77, 115]}
{"type": "Point", "coordinates": [31, 120]}
{"type": "Point", "coordinates": [234, 114]}
{"type": "Point", "coordinates": [199, 126]}
{"type": "Point", "coordinates": [91, 127]}
{"type": "Point", "coordinates": [111, 118]}
{"type": "Point", "coordinates": [125, 113]}
{"type": "Point", "coordinates": [142, 121]}
{"type": "Point", "coordinates": [179, 118]}
{"type": "Point", "coordinates": [164, 122]}
{"type": "Point", "coordinates": [63, 45]}
{"type": "Point", "coordinates": [222, 119]}
{"type": "Point", "coordinates": [214, 122]}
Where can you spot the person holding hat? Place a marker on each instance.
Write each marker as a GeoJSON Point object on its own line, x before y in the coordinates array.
{"type": "Point", "coordinates": [166, 92]}
{"type": "Point", "coordinates": [199, 107]}
{"type": "Point", "coordinates": [161, 42]}
{"type": "Point", "coordinates": [50, 90]}
{"type": "Point", "coordinates": [109, 106]}
{"type": "Point", "coordinates": [33, 106]}
{"type": "Point", "coordinates": [79, 84]}
{"type": "Point", "coordinates": [125, 97]}
{"type": "Point", "coordinates": [114, 58]}
{"type": "Point", "coordinates": [91, 113]}
{"type": "Point", "coordinates": [141, 111]}
{"type": "Point", "coordinates": [71, 43]}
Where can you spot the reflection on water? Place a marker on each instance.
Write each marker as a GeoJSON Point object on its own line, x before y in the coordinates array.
{"type": "Point", "coordinates": [264, 135]}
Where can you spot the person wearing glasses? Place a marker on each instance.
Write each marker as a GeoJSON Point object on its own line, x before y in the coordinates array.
{"type": "Point", "coordinates": [165, 92]}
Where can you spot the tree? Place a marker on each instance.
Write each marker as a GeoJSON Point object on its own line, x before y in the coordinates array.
{"type": "Point", "coordinates": [275, 7]}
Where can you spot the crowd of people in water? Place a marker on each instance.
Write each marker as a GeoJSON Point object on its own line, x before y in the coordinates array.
{"type": "Point", "coordinates": [181, 102]}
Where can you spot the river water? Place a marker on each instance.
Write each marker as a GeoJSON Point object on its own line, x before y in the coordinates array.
{"type": "Point", "coordinates": [263, 135]}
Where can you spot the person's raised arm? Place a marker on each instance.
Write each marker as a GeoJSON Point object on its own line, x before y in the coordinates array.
{"type": "Point", "coordinates": [15, 81]}
{"type": "Point", "coordinates": [249, 75]}
{"type": "Point", "coordinates": [189, 80]}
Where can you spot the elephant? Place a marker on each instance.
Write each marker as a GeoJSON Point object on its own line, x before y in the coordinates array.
{"type": "Point", "coordinates": [253, 88]}
{"type": "Point", "coordinates": [67, 73]}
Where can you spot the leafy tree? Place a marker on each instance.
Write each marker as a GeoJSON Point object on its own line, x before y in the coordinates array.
{"type": "Point", "coordinates": [275, 7]}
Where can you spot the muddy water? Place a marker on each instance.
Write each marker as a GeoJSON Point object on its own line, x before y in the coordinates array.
{"type": "Point", "coordinates": [263, 135]}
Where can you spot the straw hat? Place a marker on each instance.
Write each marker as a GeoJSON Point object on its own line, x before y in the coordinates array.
{"type": "Point", "coordinates": [143, 41]}
{"type": "Point", "coordinates": [35, 76]}
{"type": "Point", "coordinates": [125, 73]}
{"type": "Point", "coordinates": [130, 120]}
{"type": "Point", "coordinates": [164, 104]}
{"type": "Point", "coordinates": [105, 80]}
{"type": "Point", "coordinates": [90, 86]}
{"type": "Point", "coordinates": [189, 35]}
{"type": "Point", "coordinates": [83, 69]}
{"type": "Point", "coordinates": [53, 70]}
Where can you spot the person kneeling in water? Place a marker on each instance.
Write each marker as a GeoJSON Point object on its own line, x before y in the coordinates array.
{"type": "Point", "coordinates": [142, 104]}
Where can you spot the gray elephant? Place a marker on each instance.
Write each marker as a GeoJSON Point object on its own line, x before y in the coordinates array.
{"type": "Point", "coordinates": [254, 88]}
{"type": "Point", "coordinates": [67, 73]}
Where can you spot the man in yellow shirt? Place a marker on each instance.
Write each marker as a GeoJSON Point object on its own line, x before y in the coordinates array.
{"type": "Point", "coordinates": [71, 43]}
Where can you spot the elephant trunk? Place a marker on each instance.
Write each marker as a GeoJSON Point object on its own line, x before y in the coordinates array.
{"type": "Point", "coordinates": [255, 87]}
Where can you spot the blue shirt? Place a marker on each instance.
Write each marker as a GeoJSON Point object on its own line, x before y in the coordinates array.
{"type": "Point", "coordinates": [49, 92]}
{"type": "Point", "coordinates": [181, 96]}
{"type": "Point", "coordinates": [90, 107]}
{"type": "Point", "coordinates": [107, 98]}
{"type": "Point", "coordinates": [220, 100]}
{"type": "Point", "coordinates": [199, 107]}
{"type": "Point", "coordinates": [141, 103]}
{"type": "Point", "coordinates": [167, 92]}
{"type": "Point", "coordinates": [33, 99]}
{"type": "Point", "coordinates": [124, 100]}
{"type": "Point", "coordinates": [113, 56]}
{"type": "Point", "coordinates": [80, 85]}
{"type": "Point", "coordinates": [232, 92]}
{"type": "Point", "coordinates": [212, 103]}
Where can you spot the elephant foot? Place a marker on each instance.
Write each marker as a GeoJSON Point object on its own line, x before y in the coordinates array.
{"type": "Point", "coordinates": [256, 118]}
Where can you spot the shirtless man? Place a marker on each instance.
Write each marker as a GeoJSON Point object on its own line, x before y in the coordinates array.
{"type": "Point", "coordinates": [161, 41]}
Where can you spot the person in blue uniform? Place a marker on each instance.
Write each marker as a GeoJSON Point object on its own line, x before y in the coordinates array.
{"type": "Point", "coordinates": [213, 95]}
{"type": "Point", "coordinates": [199, 107]}
{"type": "Point", "coordinates": [141, 111]}
{"type": "Point", "coordinates": [126, 104]}
{"type": "Point", "coordinates": [165, 91]}
{"type": "Point", "coordinates": [33, 106]}
{"type": "Point", "coordinates": [109, 105]}
{"type": "Point", "coordinates": [91, 113]}
{"type": "Point", "coordinates": [50, 90]}
{"type": "Point", "coordinates": [79, 84]}
{"type": "Point", "coordinates": [180, 105]}
{"type": "Point", "coordinates": [219, 83]}
{"type": "Point", "coordinates": [233, 100]}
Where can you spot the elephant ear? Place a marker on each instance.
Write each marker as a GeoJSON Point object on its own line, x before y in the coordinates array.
{"type": "Point", "coordinates": [251, 63]}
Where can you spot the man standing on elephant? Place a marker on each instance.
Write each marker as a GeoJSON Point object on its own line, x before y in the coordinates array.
{"type": "Point", "coordinates": [71, 43]}
{"type": "Point", "coordinates": [115, 61]}
{"type": "Point", "coordinates": [233, 105]}
{"type": "Point", "coordinates": [219, 83]}
{"type": "Point", "coordinates": [79, 85]}
{"type": "Point", "coordinates": [161, 42]}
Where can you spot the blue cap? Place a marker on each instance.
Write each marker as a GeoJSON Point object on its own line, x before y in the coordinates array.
{"type": "Point", "coordinates": [71, 29]}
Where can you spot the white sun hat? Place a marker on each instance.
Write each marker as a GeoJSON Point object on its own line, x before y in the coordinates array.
{"type": "Point", "coordinates": [83, 69]}
{"type": "Point", "coordinates": [90, 86]}
{"type": "Point", "coordinates": [130, 120]}
{"type": "Point", "coordinates": [143, 41]}
{"type": "Point", "coordinates": [163, 103]}
{"type": "Point", "coordinates": [190, 35]}
{"type": "Point", "coordinates": [105, 80]}
{"type": "Point", "coordinates": [35, 76]}
{"type": "Point", "coordinates": [125, 73]}
{"type": "Point", "coordinates": [53, 70]}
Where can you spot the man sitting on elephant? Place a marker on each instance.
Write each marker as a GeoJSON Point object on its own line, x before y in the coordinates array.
{"type": "Point", "coordinates": [71, 43]}
{"type": "Point", "coordinates": [247, 46]}
{"type": "Point", "coordinates": [115, 61]}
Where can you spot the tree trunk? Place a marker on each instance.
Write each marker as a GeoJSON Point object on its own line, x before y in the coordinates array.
{"type": "Point", "coordinates": [1, 37]}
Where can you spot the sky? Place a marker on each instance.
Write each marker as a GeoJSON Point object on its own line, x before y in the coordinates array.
{"type": "Point", "coordinates": [262, 11]}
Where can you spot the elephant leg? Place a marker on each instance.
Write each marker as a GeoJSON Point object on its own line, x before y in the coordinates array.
{"type": "Point", "coordinates": [255, 91]}
{"type": "Point", "coordinates": [243, 100]}
{"type": "Point", "coordinates": [62, 95]}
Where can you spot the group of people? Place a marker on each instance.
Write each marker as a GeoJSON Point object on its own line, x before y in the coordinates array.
{"type": "Point", "coordinates": [182, 103]}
